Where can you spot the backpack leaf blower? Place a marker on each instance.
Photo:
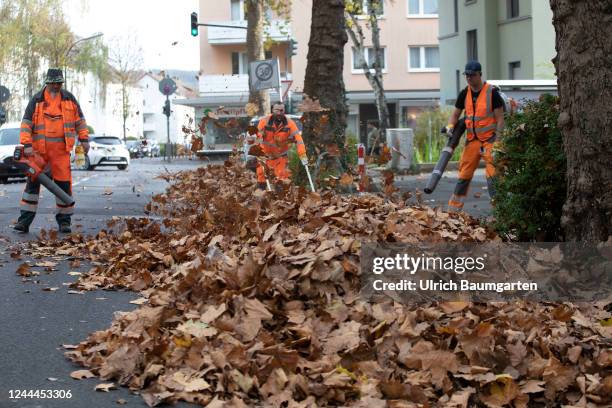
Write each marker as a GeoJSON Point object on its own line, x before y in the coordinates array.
{"type": "Point", "coordinates": [445, 156]}
{"type": "Point", "coordinates": [34, 166]}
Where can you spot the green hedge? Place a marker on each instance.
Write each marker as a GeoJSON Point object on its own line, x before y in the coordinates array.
{"type": "Point", "coordinates": [531, 183]}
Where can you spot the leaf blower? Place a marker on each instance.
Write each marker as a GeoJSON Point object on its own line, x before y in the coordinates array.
{"type": "Point", "coordinates": [34, 166]}
{"type": "Point", "coordinates": [445, 156]}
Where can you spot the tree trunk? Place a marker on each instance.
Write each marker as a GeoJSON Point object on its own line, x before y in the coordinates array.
{"type": "Point", "coordinates": [378, 87]}
{"type": "Point", "coordinates": [255, 10]}
{"type": "Point", "coordinates": [375, 79]}
{"type": "Point", "coordinates": [583, 33]}
{"type": "Point", "coordinates": [124, 110]}
{"type": "Point", "coordinates": [324, 129]}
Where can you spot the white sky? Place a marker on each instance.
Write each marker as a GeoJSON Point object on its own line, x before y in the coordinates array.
{"type": "Point", "coordinates": [155, 23]}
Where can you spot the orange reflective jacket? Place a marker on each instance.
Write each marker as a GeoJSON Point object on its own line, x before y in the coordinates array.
{"type": "Point", "coordinates": [276, 138]}
{"type": "Point", "coordinates": [41, 122]}
{"type": "Point", "coordinates": [480, 119]}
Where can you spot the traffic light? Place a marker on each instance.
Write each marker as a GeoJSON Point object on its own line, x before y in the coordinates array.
{"type": "Point", "coordinates": [292, 47]}
{"type": "Point", "coordinates": [194, 24]}
{"type": "Point", "coordinates": [2, 115]}
{"type": "Point", "coordinates": [166, 108]}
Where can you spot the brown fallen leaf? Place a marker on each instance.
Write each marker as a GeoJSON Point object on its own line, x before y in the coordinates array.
{"type": "Point", "coordinates": [81, 374]}
{"type": "Point", "coordinates": [106, 387]}
{"type": "Point", "coordinates": [24, 270]}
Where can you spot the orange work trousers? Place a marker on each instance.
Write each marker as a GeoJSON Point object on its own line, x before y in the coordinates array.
{"type": "Point", "coordinates": [470, 158]}
{"type": "Point", "coordinates": [58, 165]}
{"type": "Point", "coordinates": [279, 166]}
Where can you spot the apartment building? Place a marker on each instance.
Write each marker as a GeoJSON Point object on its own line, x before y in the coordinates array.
{"type": "Point", "coordinates": [409, 35]}
{"type": "Point", "coordinates": [513, 40]}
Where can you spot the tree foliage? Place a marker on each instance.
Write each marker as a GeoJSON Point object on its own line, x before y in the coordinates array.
{"type": "Point", "coordinates": [126, 69]}
{"type": "Point", "coordinates": [532, 174]}
{"type": "Point", "coordinates": [35, 35]}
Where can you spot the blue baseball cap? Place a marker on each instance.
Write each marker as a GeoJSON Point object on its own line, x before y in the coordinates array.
{"type": "Point", "coordinates": [472, 67]}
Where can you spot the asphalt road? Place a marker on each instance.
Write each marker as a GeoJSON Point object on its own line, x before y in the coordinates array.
{"type": "Point", "coordinates": [35, 323]}
{"type": "Point", "coordinates": [477, 202]}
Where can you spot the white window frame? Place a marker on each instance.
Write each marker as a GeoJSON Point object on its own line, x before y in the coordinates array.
{"type": "Point", "coordinates": [422, 57]}
{"type": "Point", "coordinates": [241, 11]}
{"type": "Point", "coordinates": [242, 62]}
{"type": "Point", "coordinates": [372, 70]}
{"type": "Point", "coordinates": [421, 10]}
{"type": "Point", "coordinates": [365, 14]}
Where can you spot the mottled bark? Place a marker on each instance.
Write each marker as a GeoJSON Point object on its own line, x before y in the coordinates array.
{"type": "Point", "coordinates": [255, 11]}
{"type": "Point", "coordinates": [584, 65]}
{"type": "Point", "coordinates": [324, 131]}
{"type": "Point", "coordinates": [374, 78]}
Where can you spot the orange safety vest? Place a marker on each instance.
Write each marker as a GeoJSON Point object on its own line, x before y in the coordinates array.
{"type": "Point", "coordinates": [276, 139]}
{"type": "Point", "coordinates": [480, 119]}
{"type": "Point", "coordinates": [34, 132]}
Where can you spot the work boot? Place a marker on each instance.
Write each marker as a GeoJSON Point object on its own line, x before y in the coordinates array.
{"type": "Point", "coordinates": [24, 221]}
{"type": "Point", "coordinates": [65, 228]}
{"type": "Point", "coordinates": [20, 227]}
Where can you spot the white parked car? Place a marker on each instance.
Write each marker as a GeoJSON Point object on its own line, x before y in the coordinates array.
{"type": "Point", "coordinates": [9, 139]}
{"type": "Point", "coordinates": [106, 151]}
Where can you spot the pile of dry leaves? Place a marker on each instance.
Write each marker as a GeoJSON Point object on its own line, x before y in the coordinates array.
{"type": "Point", "coordinates": [251, 298]}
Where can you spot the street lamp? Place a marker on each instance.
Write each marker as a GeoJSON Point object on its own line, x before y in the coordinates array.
{"type": "Point", "coordinates": [91, 37]}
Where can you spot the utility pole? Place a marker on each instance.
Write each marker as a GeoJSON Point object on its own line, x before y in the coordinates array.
{"type": "Point", "coordinates": [167, 87]}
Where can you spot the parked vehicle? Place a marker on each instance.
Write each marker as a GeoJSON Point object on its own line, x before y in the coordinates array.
{"type": "Point", "coordinates": [9, 139]}
{"type": "Point", "coordinates": [144, 148]}
{"type": "Point", "coordinates": [106, 151]}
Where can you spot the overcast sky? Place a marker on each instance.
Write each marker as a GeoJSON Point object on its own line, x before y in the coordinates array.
{"type": "Point", "coordinates": [155, 23]}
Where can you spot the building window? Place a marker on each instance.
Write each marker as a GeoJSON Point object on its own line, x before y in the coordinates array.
{"type": "Point", "coordinates": [240, 63]}
{"type": "Point", "coordinates": [513, 8]}
{"type": "Point", "coordinates": [472, 45]}
{"type": "Point", "coordinates": [238, 10]}
{"type": "Point", "coordinates": [364, 8]}
{"type": "Point", "coordinates": [456, 7]}
{"type": "Point", "coordinates": [422, 8]}
{"type": "Point", "coordinates": [369, 56]}
{"type": "Point", "coordinates": [424, 59]}
{"type": "Point", "coordinates": [514, 70]}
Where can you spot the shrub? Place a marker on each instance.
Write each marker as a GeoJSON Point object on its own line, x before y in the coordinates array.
{"type": "Point", "coordinates": [531, 185]}
{"type": "Point", "coordinates": [432, 121]}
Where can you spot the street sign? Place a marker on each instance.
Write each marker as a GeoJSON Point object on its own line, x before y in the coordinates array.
{"type": "Point", "coordinates": [167, 86]}
{"type": "Point", "coordinates": [265, 74]}
{"type": "Point", "coordinates": [5, 94]}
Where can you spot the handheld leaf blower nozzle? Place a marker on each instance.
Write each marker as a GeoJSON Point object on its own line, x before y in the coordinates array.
{"type": "Point", "coordinates": [34, 166]}
{"type": "Point", "coordinates": [445, 156]}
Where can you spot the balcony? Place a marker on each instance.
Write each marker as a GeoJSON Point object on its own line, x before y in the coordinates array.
{"type": "Point", "coordinates": [279, 30]}
{"type": "Point", "coordinates": [211, 85]}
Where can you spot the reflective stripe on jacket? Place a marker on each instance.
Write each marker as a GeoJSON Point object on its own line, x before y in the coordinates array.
{"type": "Point", "coordinates": [33, 129]}
{"type": "Point", "coordinates": [480, 119]}
{"type": "Point", "coordinates": [276, 139]}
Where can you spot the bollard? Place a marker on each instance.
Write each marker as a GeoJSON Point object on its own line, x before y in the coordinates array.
{"type": "Point", "coordinates": [361, 166]}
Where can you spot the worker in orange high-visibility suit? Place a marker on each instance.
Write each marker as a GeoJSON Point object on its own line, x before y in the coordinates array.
{"type": "Point", "coordinates": [484, 120]}
{"type": "Point", "coordinates": [50, 126]}
{"type": "Point", "coordinates": [275, 133]}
